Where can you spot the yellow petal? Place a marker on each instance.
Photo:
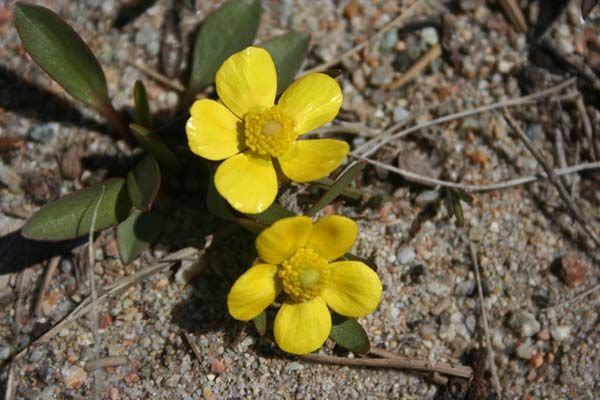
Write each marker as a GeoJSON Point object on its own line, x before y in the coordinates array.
{"type": "Point", "coordinates": [309, 160]}
{"type": "Point", "coordinates": [301, 328]}
{"type": "Point", "coordinates": [247, 80]}
{"type": "Point", "coordinates": [213, 131]}
{"type": "Point", "coordinates": [332, 236]}
{"type": "Point", "coordinates": [254, 291]}
{"type": "Point", "coordinates": [248, 182]}
{"type": "Point", "coordinates": [354, 289]}
{"type": "Point", "coordinates": [281, 240]}
{"type": "Point", "coordinates": [311, 101]}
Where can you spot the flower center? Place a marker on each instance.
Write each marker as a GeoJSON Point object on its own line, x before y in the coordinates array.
{"type": "Point", "coordinates": [304, 275]}
{"type": "Point", "coordinates": [270, 132]}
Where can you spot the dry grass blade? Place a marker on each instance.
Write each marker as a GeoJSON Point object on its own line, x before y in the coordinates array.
{"type": "Point", "coordinates": [193, 346]}
{"type": "Point", "coordinates": [574, 299]}
{"type": "Point", "coordinates": [396, 362]}
{"type": "Point", "coordinates": [486, 330]}
{"type": "Point", "coordinates": [552, 177]}
{"type": "Point", "coordinates": [372, 146]}
{"type": "Point", "coordinates": [94, 297]}
{"type": "Point", "coordinates": [414, 71]}
{"type": "Point", "coordinates": [514, 13]}
{"type": "Point", "coordinates": [44, 288]}
{"type": "Point", "coordinates": [396, 22]}
{"type": "Point", "coordinates": [104, 363]}
{"type": "Point", "coordinates": [158, 77]}
{"type": "Point", "coordinates": [11, 387]}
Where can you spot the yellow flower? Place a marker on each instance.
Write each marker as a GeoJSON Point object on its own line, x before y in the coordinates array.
{"type": "Point", "coordinates": [248, 130]}
{"type": "Point", "coordinates": [298, 258]}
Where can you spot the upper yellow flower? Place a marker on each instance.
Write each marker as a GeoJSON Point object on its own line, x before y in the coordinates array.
{"type": "Point", "coordinates": [248, 130]}
{"type": "Point", "coordinates": [298, 259]}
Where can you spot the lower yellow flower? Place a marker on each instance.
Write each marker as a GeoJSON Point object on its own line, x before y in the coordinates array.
{"type": "Point", "coordinates": [251, 133]}
{"type": "Point", "coordinates": [298, 259]}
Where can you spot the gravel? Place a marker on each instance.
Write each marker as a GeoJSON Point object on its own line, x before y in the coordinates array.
{"type": "Point", "coordinates": [429, 308]}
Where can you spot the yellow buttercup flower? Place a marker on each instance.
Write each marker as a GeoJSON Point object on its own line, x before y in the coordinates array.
{"type": "Point", "coordinates": [298, 259]}
{"type": "Point", "coordinates": [248, 130]}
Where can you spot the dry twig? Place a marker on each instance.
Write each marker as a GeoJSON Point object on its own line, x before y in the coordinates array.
{"type": "Point", "coordinates": [193, 346]}
{"type": "Point", "coordinates": [414, 71]}
{"type": "Point", "coordinates": [388, 137]}
{"type": "Point", "coordinates": [587, 125]}
{"type": "Point", "coordinates": [552, 177]}
{"type": "Point", "coordinates": [486, 330]}
{"type": "Point", "coordinates": [93, 365]}
{"type": "Point", "coordinates": [396, 22]}
{"type": "Point", "coordinates": [433, 182]}
{"type": "Point", "coordinates": [47, 279]}
{"type": "Point", "coordinates": [574, 299]}
{"type": "Point", "coordinates": [11, 387]}
{"type": "Point", "coordinates": [514, 13]}
{"type": "Point", "coordinates": [158, 77]}
{"type": "Point", "coordinates": [396, 362]}
{"type": "Point", "coordinates": [110, 291]}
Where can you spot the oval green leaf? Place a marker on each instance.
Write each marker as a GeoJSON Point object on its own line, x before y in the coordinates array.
{"type": "Point", "coordinates": [143, 183]}
{"type": "Point", "coordinates": [143, 116]}
{"type": "Point", "coordinates": [137, 233]}
{"type": "Point", "coordinates": [288, 52]}
{"type": "Point", "coordinates": [274, 213]}
{"type": "Point", "coordinates": [59, 50]}
{"type": "Point", "coordinates": [337, 188]}
{"type": "Point", "coordinates": [228, 30]}
{"type": "Point", "coordinates": [349, 334]}
{"type": "Point", "coordinates": [71, 216]}
{"type": "Point", "coordinates": [260, 323]}
{"type": "Point", "coordinates": [153, 145]}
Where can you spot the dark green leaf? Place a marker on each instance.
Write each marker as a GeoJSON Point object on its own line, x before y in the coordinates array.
{"type": "Point", "coordinates": [153, 145]}
{"type": "Point", "coordinates": [288, 52]}
{"type": "Point", "coordinates": [464, 196]}
{"type": "Point", "coordinates": [458, 212]}
{"type": "Point", "coordinates": [71, 216]}
{"type": "Point", "coordinates": [143, 183]}
{"type": "Point", "coordinates": [453, 199]}
{"type": "Point", "coordinates": [368, 263]}
{"type": "Point", "coordinates": [348, 333]}
{"type": "Point", "coordinates": [137, 232]}
{"type": "Point", "coordinates": [274, 213]}
{"type": "Point", "coordinates": [260, 323]}
{"type": "Point", "coordinates": [217, 204]}
{"type": "Point", "coordinates": [143, 116]}
{"type": "Point", "coordinates": [334, 191]}
{"type": "Point", "coordinates": [59, 50]}
{"type": "Point", "coordinates": [228, 30]}
{"type": "Point", "coordinates": [251, 226]}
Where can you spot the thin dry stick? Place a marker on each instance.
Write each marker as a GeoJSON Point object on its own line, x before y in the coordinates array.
{"type": "Point", "coordinates": [559, 147]}
{"type": "Point", "coordinates": [514, 13]}
{"type": "Point", "coordinates": [115, 361]}
{"type": "Point", "coordinates": [461, 371]}
{"type": "Point", "coordinates": [92, 283]}
{"type": "Point", "coordinates": [486, 330]}
{"type": "Point", "coordinates": [447, 118]}
{"type": "Point", "coordinates": [110, 291]}
{"type": "Point", "coordinates": [587, 125]}
{"type": "Point", "coordinates": [552, 177]}
{"type": "Point", "coordinates": [432, 182]}
{"type": "Point", "coordinates": [193, 345]}
{"type": "Point", "coordinates": [416, 69]}
{"type": "Point", "coordinates": [47, 279]}
{"type": "Point", "coordinates": [160, 78]}
{"type": "Point", "coordinates": [388, 27]}
{"type": "Point", "coordinates": [11, 387]}
{"type": "Point", "coordinates": [574, 299]}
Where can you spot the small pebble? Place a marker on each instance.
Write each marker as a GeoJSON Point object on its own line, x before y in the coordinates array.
{"type": "Point", "coordinates": [430, 36]}
{"type": "Point", "coordinates": [573, 269]}
{"type": "Point", "coordinates": [427, 197]}
{"type": "Point", "coordinates": [74, 376]}
{"type": "Point", "coordinates": [406, 255]}
{"type": "Point", "coordinates": [536, 360]}
{"type": "Point", "coordinates": [525, 350]}
{"type": "Point", "coordinates": [560, 333]}
{"type": "Point", "coordinates": [524, 323]}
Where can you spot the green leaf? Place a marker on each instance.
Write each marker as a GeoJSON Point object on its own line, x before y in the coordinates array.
{"type": "Point", "coordinates": [143, 183]}
{"type": "Point", "coordinates": [137, 232]}
{"type": "Point", "coordinates": [338, 186]}
{"type": "Point", "coordinates": [217, 204]}
{"type": "Point", "coordinates": [274, 213]}
{"type": "Point", "coordinates": [71, 216]}
{"type": "Point", "coordinates": [288, 52]}
{"type": "Point", "coordinates": [228, 30]}
{"type": "Point", "coordinates": [260, 323]}
{"type": "Point", "coordinates": [153, 145]}
{"type": "Point", "coordinates": [59, 50]}
{"type": "Point", "coordinates": [143, 116]}
{"type": "Point", "coordinates": [349, 334]}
